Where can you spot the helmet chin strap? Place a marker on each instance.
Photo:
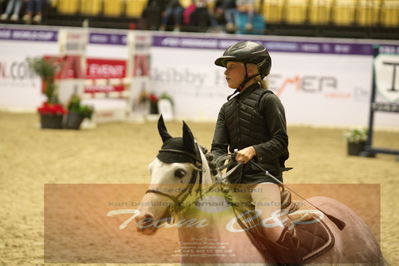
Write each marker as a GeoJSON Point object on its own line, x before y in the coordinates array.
{"type": "Point", "coordinates": [246, 78]}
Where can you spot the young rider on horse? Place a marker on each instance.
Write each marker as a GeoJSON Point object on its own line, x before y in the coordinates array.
{"type": "Point", "coordinates": [252, 123]}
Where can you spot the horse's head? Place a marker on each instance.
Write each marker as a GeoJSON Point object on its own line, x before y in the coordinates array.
{"type": "Point", "coordinates": [175, 174]}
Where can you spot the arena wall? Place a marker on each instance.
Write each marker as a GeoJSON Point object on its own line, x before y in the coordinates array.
{"type": "Point", "coordinates": [320, 81]}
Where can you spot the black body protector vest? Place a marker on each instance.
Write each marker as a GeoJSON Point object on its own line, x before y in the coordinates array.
{"type": "Point", "coordinates": [245, 125]}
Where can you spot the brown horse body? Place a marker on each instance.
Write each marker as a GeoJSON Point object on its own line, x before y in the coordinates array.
{"type": "Point", "coordinates": [208, 229]}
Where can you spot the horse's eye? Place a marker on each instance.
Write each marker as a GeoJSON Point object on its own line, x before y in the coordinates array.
{"type": "Point", "coordinates": [179, 173]}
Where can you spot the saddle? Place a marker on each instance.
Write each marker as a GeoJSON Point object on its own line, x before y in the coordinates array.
{"type": "Point", "coordinates": [313, 235]}
{"type": "Point", "coordinates": [315, 238]}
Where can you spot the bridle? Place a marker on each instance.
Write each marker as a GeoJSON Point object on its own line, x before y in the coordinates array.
{"type": "Point", "coordinates": [178, 200]}
{"type": "Point", "coordinates": [184, 193]}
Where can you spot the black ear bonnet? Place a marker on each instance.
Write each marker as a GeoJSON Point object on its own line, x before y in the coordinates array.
{"type": "Point", "coordinates": [178, 150]}
{"type": "Point", "coordinates": [167, 156]}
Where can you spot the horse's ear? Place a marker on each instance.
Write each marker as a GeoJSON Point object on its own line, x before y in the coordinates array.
{"type": "Point", "coordinates": [162, 130]}
{"type": "Point", "coordinates": [188, 138]}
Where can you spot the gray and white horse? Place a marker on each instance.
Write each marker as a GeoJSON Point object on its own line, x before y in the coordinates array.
{"type": "Point", "coordinates": [182, 186]}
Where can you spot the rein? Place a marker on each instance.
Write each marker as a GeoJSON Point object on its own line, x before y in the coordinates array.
{"type": "Point", "coordinates": [220, 166]}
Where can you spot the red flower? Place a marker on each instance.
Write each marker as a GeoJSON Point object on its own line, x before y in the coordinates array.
{"type": "Point", "coordinates": [153, 98]}
{"type": "Point", "coordinates": [49, 108]}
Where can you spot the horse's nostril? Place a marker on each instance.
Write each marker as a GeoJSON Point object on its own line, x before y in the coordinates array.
{"type": "Point", "coordinates": [144, 221]}
{"type": "Point", "coordinates": [148, 220]}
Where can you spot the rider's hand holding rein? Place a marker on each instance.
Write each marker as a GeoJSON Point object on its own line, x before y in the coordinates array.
{"type": "Point", "coordinates": [245, 155]}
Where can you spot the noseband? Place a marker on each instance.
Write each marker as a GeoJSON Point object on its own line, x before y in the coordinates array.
{"type": "Point", "coordinates": [182, 196]}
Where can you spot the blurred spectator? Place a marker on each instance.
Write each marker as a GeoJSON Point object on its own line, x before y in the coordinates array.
{"type": "Point", "coordinates": [227, 9]}
{"type": "Point", "coordinates": [13, 7]}
{"type": "Point", "coordinates": [2, 5]}
{"type": "Point", "coordinates": [172, 15]}
{"type": "Point", "coordinates": [33, 7]}
{"type": "Point", "coordinates": [196, 16]}
{"type": "Point", "coordinates": [216, 14]}
{"type": "Point", "coordinates": [151, 16]}
{"type": "Point", "coordinates": [247, 7]}
{"type": "Point", "coordinates": [188, 11]}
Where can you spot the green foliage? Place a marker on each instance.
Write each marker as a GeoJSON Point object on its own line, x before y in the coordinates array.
{"type": "Point", "coordinates": [166, 96]}
{"type": "Point", "coordinates": [86, 111]}
{"type": "Point", "coordinates": [50, 92]}
{"type": "Point", "coordinates": [75, 105]}
{"type": "Point", "coordinates": [356, 135]}
{"type": "Point", "coordinates": [46, 70]}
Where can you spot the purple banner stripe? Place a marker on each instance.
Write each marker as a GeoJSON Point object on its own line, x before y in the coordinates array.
{"type": "Point", "coordinates": [29, 35]}
{"type": "Point", "coordinates": [389, 49]}
{"type": "Point", "coordinates": [107, 38]}
{"type": "Point", "coordinates": [204, 43]}
{"type": "Point", "coordinates": [274, 46]}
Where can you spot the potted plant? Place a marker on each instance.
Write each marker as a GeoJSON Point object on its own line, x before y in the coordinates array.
{"type": "Point", "coordinates": [356, 140]}
{"type": "Point", "coordinates": [77, 113]}
{"type": "Point", "coordinates": [51, 112]}
{"type": "Point", "coordinates": [51, 115]}
{"type": "Point", "coordinates": [153, 103]}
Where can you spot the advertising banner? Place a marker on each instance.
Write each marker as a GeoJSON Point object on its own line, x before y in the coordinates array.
{"type": "Point", "coordinates": [319, 83]}
{"type": "Point", "coordinates": [20, 88]}
{"type": "Point", "coordinates": [387, 78]}
{"type": "Point", "coordinates": [384, 96]}
{"type": "Point", "coordinates": [109, 45]}
{"type": "Point", "coordinates": [95, 223]}
{"type": "Point", "coordinates": [73, 42]}
{"type": "Point", "coordinates": [105, 75]}
{"type": "Point", "coordinates": [108, 84]}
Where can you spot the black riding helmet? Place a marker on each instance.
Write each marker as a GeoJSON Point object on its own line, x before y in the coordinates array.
{"type": "Point", "coordinates": [247, 52]}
